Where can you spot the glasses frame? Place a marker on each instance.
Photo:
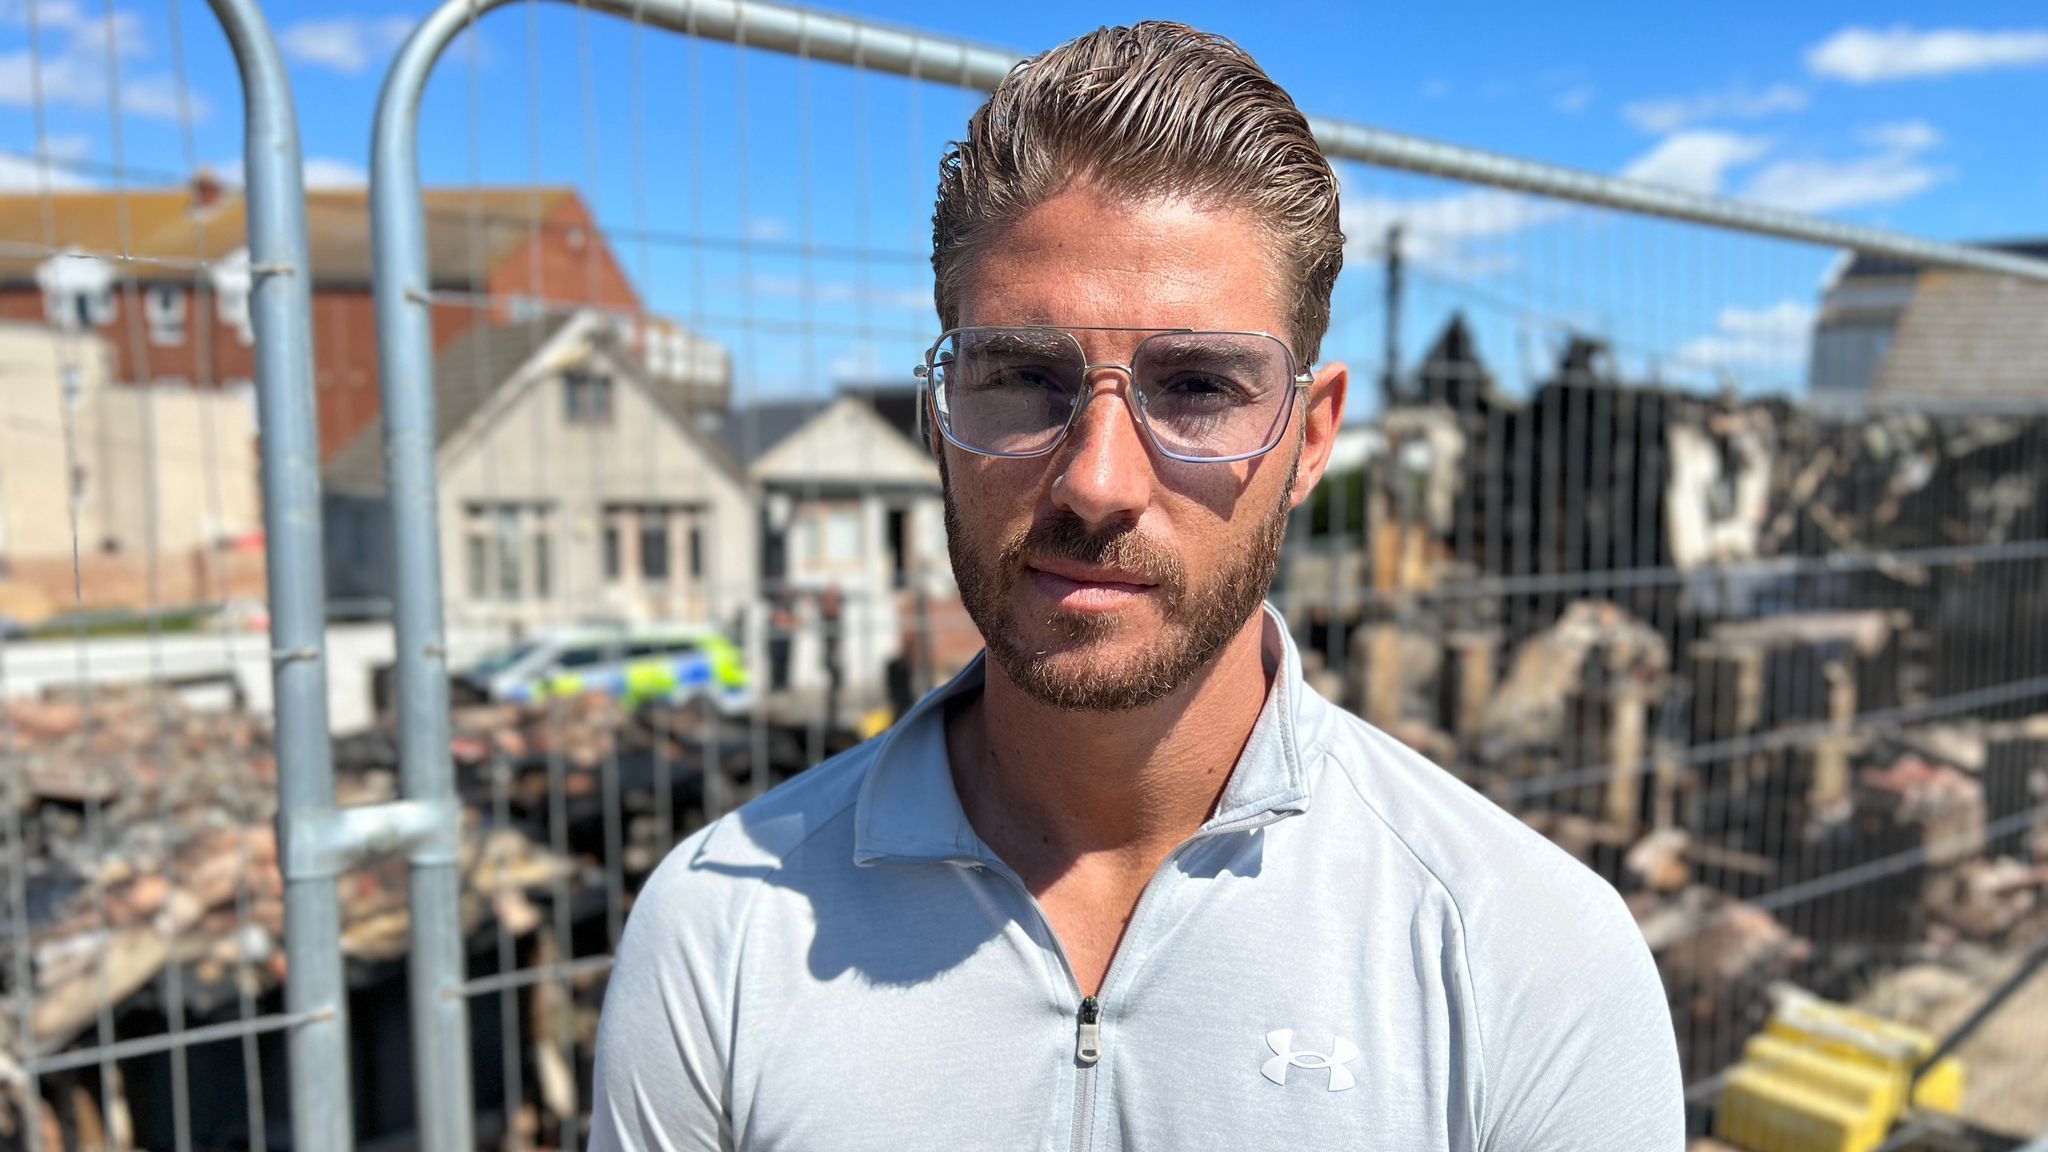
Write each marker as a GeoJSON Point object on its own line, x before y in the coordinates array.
{"type": "Point", "coordinates": [1300, 378]}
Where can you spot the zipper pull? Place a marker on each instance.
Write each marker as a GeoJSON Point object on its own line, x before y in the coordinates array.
{"type": "Point", "coordinates": [1089, 1050]}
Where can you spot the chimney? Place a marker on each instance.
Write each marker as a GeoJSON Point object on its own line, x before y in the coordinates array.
{"type": "Point", "coordinates": [207, 190]}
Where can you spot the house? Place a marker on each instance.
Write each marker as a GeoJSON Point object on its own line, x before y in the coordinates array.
{"type": "Point", "coordinates": [851, 509]}
{"type": "Point", "coordinates": [116, 495]}
{"type": "Point", "coordinates": [493, 255]}
{"type": "Point", "coordinates": [1894, 334]}
{"type": "Point", "coordinates": [572, 484]}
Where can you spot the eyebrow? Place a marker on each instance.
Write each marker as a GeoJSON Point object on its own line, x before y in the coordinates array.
{"type": "Point", "coordinates": [1041, 344]}
{"type": "Point", "coordinates": [1186, 351]}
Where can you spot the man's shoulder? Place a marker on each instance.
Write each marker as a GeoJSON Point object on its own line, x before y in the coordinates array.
{"type": "Point", "coordinates": [803, 822]}
{"type": "Point", "coordinates": [1491, 866]}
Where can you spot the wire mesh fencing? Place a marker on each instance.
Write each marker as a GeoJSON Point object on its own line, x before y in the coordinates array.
{"type": "Point", "coordinates": [1630, 529]}
{"type": "Point", "coordinates": [147, 542]}
{"type": "Point", "coordinates": [1685, 542]}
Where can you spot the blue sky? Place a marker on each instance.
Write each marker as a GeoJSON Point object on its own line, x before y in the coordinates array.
{"type": "Point", "coordinates": [1914, 117]}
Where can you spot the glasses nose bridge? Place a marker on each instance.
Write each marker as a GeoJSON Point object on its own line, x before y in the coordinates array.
{"type": "Point", "coordinates": [1133, 402]}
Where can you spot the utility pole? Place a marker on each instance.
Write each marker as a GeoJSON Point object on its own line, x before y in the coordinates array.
{"type": "Point", "coordinates": [1391, 375]}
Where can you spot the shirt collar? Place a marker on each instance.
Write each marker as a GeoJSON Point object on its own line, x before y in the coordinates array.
{"type": "Point", "coordinates": [908, 810]}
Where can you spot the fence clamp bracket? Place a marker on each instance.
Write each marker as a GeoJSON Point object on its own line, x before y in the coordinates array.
{"type": "Point", "coordinates": [322, 844]}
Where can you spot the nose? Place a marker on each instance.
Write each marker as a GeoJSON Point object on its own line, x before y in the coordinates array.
{"type": "Point", "coordinates": [1103, 472]}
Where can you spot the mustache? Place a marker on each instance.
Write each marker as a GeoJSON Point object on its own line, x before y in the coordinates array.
{"type": "Point", "coordinates": [1066, 536]}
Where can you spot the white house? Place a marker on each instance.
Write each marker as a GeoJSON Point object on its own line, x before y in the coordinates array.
{"type": "Point", "coordinates": [572, 485]}
{"type": "Point", "coordinates": [850, 504]}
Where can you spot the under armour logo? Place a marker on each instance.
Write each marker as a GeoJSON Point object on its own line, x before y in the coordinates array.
{"type": "Point", "coordinates": [1281, 1041]}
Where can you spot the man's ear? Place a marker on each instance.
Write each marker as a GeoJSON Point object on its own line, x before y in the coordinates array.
{"type": "Point", "coordinates": [1323, 415]}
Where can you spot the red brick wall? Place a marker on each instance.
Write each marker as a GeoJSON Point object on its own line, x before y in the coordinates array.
{"type": "Point", "coordinates": [576, 266]}
{"type": "Point", "coordinates": [135, 358]}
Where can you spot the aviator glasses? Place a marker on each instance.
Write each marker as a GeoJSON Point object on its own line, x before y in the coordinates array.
{"type": "Point", "coordinates": [1206, 397]}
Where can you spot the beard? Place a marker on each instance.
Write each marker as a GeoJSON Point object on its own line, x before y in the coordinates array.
{"type": "Point", "coordinates": [1199, 618]}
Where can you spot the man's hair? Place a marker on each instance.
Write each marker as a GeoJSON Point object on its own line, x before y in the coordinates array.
{"type": "Point", "coordinates": [1154, 110]}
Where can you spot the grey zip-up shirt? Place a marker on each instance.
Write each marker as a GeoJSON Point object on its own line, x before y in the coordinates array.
{"type": "Point", "coordinates": [1356, 951]}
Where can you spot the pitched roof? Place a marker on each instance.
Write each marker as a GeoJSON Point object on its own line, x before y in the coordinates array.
{"type": "Point", "coordinates": [1864, 265]}
{"type": "Point", "coordinates": [1969, 338]}
{"type": "Point", "coordinates": [472, 370]}
{"type": "Point", "coordinates": [484, 355]}
{"type": "Point", "coordinates": [469, 230]}
{"type": "Point", "coordinates": [750, 433]}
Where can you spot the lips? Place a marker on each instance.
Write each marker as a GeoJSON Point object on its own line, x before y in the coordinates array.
{"type": "Point", "coordinates": [1090, 574]}
{"type": "Point", "coordinates": [1086, 589]}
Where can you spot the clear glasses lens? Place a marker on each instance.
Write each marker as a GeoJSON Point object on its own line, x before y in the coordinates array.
{"type": "Point", "coordinates": [1202, 395]}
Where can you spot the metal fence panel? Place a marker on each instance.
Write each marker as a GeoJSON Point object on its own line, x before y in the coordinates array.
{"type": "Point", "coordinates": [158, 340]}
{"type": "Point", "coordinates": [1765, 654]}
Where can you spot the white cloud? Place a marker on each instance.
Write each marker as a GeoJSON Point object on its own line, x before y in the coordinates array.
{"type": "Point", "coordinates": [1703, 160]}
{"type": "Point", "coordinates": [72, 69]}
{"type": "Point", "coordinates": [346, 44]}
{"type": "Point", "coordinates": [1776, 336]}
{"type": "Point", "coordinates": [842, 292]}
{"type": "Point", "coordinates": [1574, 99]}
{"type": "Point", "coordinates": [1696, 161]}
{"type": "Point", "coordinates": [318, 172]}
{"type": "Point", "coordinates": [1735, 102]}
{"type": "Point", "coordinates": [50, 14]}
{"type": "Point", "coordinates": [55, 169]}
{"type": "Point", "coordinates": [331, 172]}
{"type": "Point", "coordinates": [769, 228]}
{"type": "Point", "coordinates": [1863, 55]}
{"type": "Point", "coordinates": [1454, 235]}
{"type": "Point", "coordinates": [1436, 89]}
{"type": "Point", "coordinates": [1897, 171]}
{"type": "Point", "coordinates": [1902, 136]}
{"type": "Point", "coordinates": [861, 360]}
{"type": "Point", "coordinates": [1830, 186]}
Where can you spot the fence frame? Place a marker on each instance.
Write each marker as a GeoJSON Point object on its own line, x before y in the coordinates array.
{"type": "Point", "coordinates": [316, 841]}
{"type": "Point", "coordinates": [405, 353]}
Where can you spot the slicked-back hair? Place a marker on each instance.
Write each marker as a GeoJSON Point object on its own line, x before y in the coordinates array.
{"type": "Point", "coordinates": [1156, 110]}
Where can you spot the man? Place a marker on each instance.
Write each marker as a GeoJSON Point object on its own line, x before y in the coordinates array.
{"type": "Point", "coordinates": [1126, 882]}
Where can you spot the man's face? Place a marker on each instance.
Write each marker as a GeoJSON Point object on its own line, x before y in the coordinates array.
{"type": "Point", "coordinates": [1104, 575]}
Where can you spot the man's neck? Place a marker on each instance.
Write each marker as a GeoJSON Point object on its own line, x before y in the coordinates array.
{"type": "Point", "coordinates": [1046, 788]}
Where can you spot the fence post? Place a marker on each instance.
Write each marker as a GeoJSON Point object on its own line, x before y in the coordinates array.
{"type": "Point", "coordinates": [405, 348]}
{"type": "Point", "coordinates": [280, 307]}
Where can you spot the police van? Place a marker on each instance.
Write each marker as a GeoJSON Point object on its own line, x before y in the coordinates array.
{"type": "Point", "coordinates": [635, 665]}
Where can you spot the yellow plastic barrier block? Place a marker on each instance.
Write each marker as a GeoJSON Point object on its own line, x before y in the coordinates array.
{"type": "Point", "coordinates": [1787, 1097]}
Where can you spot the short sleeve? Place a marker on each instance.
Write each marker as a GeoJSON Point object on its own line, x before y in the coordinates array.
{"type": "Point", "coordinates": [663, 1035]}
{"type": "Point", "coordinates": [1578, 1049]}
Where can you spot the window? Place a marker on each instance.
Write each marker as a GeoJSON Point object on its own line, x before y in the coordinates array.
{"type": "Point", "coordinates": [654, 545]}
{"type": "Point", "coordinates": [587, 397]}
{"type": "Point", "coordinates": [582, 656]}
{"type": "Point", "coordinates": [232, 282]}
{"type": "Point", "coordinates": [611, 547]}
{"type": "Point", "coordinates": [834, 536]}
{"type": "Point", "coordinates": [499, 542]}
{"type": "Point", "coordinates": [696, 552]}
{"type": "Point", "coordinates": [78, 291]}
{"type": "Point", "coordinates": [508, 553]}
{"type": "Point", "coordinates": [163, 305]}
{"type": "Point", "coordinates": [479, 566]}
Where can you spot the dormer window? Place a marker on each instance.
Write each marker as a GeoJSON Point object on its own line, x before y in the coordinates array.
{"type": "Point", "coordinates": [78, 291]}
{"type": "Point", "coordinates": [163, 305]}
{"type": "Point", "coordinates": [231, 284]}
{"type": "Point", "coordinates": [588, 397]}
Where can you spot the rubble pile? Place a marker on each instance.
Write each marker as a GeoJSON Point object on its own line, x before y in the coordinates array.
{"type": "Point", "coordinates": [147, 845]}
{"type": "Point", "coordinates": [1768, 672]}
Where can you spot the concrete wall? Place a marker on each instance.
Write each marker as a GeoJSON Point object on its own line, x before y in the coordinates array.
{"type": "Point", "coordinates": [38, 366]}
{"type": "Point", "coordinates": [202, 487]}
{"type": "Point", "coordinates": [165, 476]}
